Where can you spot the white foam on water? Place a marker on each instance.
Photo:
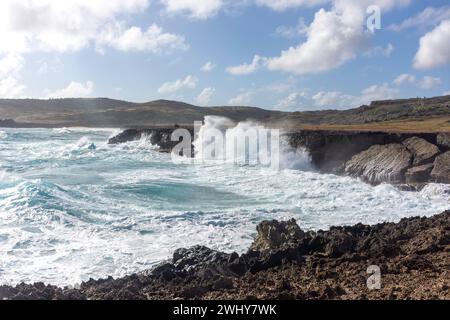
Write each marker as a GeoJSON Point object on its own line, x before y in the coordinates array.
{"type": "Point", "coordinates": [68, 213]}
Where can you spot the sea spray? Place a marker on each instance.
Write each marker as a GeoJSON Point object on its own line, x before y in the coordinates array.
{"type": "Point", "coordinates": [219, 139]}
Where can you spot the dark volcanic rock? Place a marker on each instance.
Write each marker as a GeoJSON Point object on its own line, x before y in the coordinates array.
{"type": "Point", "coordinates": [380, 163]}
{"type": "Point", "coordinates": [413, 254]}
{"type": "Point", "coordinates": [160, 137]}
{"type": "Point", "coordinates": [420, 174]}
{"type": "Point", "coordinates": [443, 141]}
{"type": "Point", "coordinates": [441, 171]}
{"type": "Point", "coordinates": [423, 152]}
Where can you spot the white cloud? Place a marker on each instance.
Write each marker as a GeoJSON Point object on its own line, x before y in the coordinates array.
{"type": "Point", "coordinates": [196, 9]}
{"type": "Point", "coordinates": [339, 100]}
{"type": "Point", "coordinates": [245, 68]}
{"type": "Point", "coordinates": [447, 93]}
{"type": "Point", "coordinates": [73, 90]}
{"type": "Point", "coordinates": [72, 25]}
{"type": "Point", "coordinates": [333, 38]}
{"type": "Point", "coordinates": [292, 32]}
{"type": "Point", "coordinates": [153, 40]}
{"type": "Point", "coordinates": [205, 96]}
{"type": "Point", "coordinates": [241, 99]}
{"type": "Point", "coordinates": [11, 88]}
{"type": "Point", "coordinates": [280, 5]}
{"type": "Point", "coordinates": [429, 17]}
{"type": "Point", "coordinates": [434, 50]}
{"type": "Point", "coordinates": [294, 101]}
{"type": "Point", "coordinates": [189, 82]}
{"type": "Point", "coordinates": [208, 67]}
{"type": "Point", "coordinates": [405, 78]}
{"type": "Point", "coordinates": [11, 63]}
{"type": "Point", "coordinates": [429, 82]}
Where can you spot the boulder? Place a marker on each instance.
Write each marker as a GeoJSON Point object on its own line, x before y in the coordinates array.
{"type": "Point", "coordinates": [419, 174]}
{"type": "Point", "coordinates": [273, 235]}
{"type": "Point", "coordinates": [423, 152]}
{"type": "Point", "coordinates": [381, 163]}
{"type": "Point", "coordinates": [443, 141]}
{"type": "Point", "coordinates": [441, 171]}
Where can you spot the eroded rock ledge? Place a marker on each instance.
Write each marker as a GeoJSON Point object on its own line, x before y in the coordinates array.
{"type": "Point", "coordinates": [284, 262]}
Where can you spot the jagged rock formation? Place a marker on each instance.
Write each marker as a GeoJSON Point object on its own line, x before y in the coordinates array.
{"type": "Point", "coordinates": [285, 262]}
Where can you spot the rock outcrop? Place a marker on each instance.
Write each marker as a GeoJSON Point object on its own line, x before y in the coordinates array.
{"type": "Point", "coordinates": [443, 141]}
{"type": "Point", "coordinates": [381, 163]}
{"type": "Point", "coordinates": [422, 151]}
{"type": "Point", "coordinates": [420, 174]}
{"type": "Point", "coordinates": [441, 171]}
{"type": "Point", "coordinates": [285, 262]}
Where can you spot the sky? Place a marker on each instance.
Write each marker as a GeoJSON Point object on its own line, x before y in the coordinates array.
{"type": "Point", "coordinates": [290, 55]}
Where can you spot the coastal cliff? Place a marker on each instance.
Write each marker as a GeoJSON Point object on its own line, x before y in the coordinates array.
{"type": "Point", "coordinates": [409, 160]}
{"type": "Point", "coordinates": [285, 262]}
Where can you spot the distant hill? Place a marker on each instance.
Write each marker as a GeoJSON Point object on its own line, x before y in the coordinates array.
{"type": "Point", "coordinates": [104, 112]}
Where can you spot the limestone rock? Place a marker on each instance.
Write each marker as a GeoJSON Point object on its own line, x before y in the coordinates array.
{"type": "Point", "coordinates": [423, 152]}
{"type": "Point", "coordinates": [419, 174]}
{"type": "Point", "coordinates": [441, 171]}
{"type": "Point", "coordinates": [443, 141]}
{"type": "Point", "coordinates": [381, 163]}
{"type": "Point", "coordinates": [273, 234]}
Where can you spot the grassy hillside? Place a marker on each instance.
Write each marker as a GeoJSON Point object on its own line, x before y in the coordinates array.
{"type": "Point", "coordinates": [432, 114]}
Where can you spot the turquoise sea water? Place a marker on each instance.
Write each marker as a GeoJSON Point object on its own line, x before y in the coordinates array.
{"type": "Point", "coordinates": [73, 207]}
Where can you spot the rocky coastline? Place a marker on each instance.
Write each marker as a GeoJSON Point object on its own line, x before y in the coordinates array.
{"type": "Point", "coordinates": [407, 160]}
{"type": "Point", "coordinates": [285, 262]}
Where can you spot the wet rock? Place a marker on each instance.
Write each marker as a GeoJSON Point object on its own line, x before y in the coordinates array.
{"type": "Point", "coordinates": [419, 174]}
{"type": "Point", "coordinates": [273, 235]}
{"type": "Point", "coordinates": [381, 163]}
{"type": "Point", "coordinates": [441, 171]}
{"type": "Point", "coordinates": [443, 141]}
{"type": "Point", "coordinates": [423, 152]}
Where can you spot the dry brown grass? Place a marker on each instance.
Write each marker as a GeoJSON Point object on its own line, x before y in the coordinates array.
{"type": "Point", "coordinates": [411, 125]}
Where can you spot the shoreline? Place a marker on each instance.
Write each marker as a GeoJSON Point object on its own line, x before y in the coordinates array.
{"type": "Point", "coordinates": [284, 262]}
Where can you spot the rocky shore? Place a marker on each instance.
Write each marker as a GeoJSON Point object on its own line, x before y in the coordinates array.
{"type": "Point", "coordinates": [285, 262]}
{"type": "Point", "coordinates": [408, 160]}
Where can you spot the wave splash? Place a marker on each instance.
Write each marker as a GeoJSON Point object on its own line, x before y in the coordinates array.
{"type": "Point", "coordinates": [221, 140]}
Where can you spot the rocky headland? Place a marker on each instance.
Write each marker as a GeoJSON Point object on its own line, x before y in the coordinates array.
{"type": "Point", "coordinates": [286, 262]}
{"type": "Point", "coordinates": [408, 160]}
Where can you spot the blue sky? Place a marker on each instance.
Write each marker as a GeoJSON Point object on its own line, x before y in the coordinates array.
{"type": "Point", "coordinates": [141, 50]}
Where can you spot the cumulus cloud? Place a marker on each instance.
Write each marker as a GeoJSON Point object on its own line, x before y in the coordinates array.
{"type": "Point", "coordinates": [189, 82]}
{"type": "Point", "coordinates": [430, 82]}
{"type": "Point", "coordinates": [428, 17]}
{"type": "Point", "coordinates": [244, 98]}
{"type": "Point", "coordinates": [11, 88]}
{"type": "Point", "coordinates": [434, 49]}
{"type": "Point", "coordinates": [205, 96]}
{"type": "Point", "coordinates": [196, 9]}
{"type": "Point", "coordinates": [73, 90]}
{"type": "Point", "coordinates": [404, 79]}
{"type": "Point", "coordinates": [334, 37]}
{"type": "Point", "coordinates": [208, 67]}
{"type": "Point", "coordinates": [339, 100]}
{"type": "Point", "coordinates": [11, 63]}
{"type": "Point", "coordinates": [62, 26]}
{"type": "Point", "coordinates": [153, 40]}
{"type": "Point", "coordinates": [294, 101]}
{"type": "Point", "coordinates": [246, 68]}
{"type": "Point", "coordinates": [292, 32]}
